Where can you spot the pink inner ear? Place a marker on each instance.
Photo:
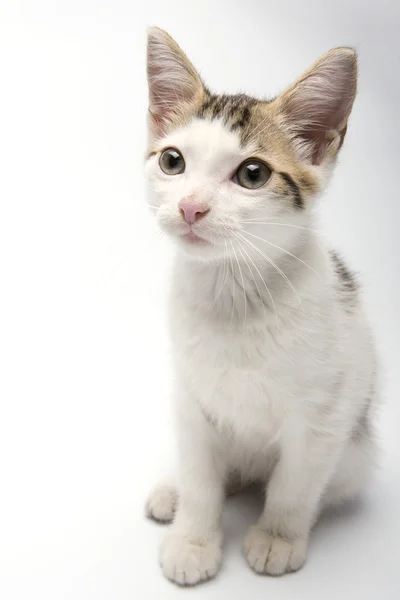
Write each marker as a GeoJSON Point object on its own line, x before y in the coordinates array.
{"type": "Point", "coordinates": [157, 122]}
{"type": "Point", "coordinates": [318, 146]}
{"type": "Point", "coordinates": [319, 105]}
{"type": "Point", "coordinates": [173, 81]}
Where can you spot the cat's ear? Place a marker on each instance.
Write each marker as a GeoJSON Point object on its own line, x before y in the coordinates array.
{"type": "Point", "coordinates": [317, 106]}
{"type": "Point", "coordinates": [173, 81]}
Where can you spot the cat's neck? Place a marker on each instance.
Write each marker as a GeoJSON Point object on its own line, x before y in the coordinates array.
{"type": "Point", "coordinates": [229, 289]}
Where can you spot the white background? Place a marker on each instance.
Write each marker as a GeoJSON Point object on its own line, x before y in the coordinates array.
{"type": "Point", "coordinates": [84, 371]}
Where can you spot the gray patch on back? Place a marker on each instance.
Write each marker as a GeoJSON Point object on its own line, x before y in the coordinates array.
{"type": "Point", "coordinates": [364, 428]}
{"type": "Point", "coordinates": [347, 282]}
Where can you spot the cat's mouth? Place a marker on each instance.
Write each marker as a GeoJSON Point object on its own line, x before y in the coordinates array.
{"type": "Point", "coordinates": [194, 239]}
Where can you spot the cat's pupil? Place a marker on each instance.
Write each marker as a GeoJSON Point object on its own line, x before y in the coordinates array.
{"type": "Point", "coordinates": [253, 172]}
{"type": "Point", "coordinates": [173, 159]}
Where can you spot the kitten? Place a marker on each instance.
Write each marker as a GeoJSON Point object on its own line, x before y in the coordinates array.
{"type": "Point", "coordinates": [274, 359]}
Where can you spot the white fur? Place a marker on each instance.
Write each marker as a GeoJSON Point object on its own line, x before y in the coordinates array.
{"type": "Point", "coordinates": [270, 390]}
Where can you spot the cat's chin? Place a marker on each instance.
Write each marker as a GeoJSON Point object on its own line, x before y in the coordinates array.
{"type": "Point", "coordinates": [199, 248]}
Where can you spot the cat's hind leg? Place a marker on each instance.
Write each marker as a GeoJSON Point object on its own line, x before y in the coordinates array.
{"type": "Point", "coordinates": [353, 470]}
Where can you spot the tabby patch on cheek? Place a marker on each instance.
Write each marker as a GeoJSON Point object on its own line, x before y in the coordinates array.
{"type": "Point", "coordinates": [259, 133]}
{"type": "Point", "coordinates": [293, 190]}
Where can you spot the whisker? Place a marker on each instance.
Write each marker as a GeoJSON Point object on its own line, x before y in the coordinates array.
{"type": "Point", "coordinates": [255, 222]}
{"type": "Point", "coordinates": [271, 262]}
{"type": "Point", "coordinates": [241, 250]}
{"type": "Point", "coordinates": [286, 252]}
{"type": "Point", "coordinates": [233, 288]}
{"type": "Point", "coordinates": [244, 288]}
{"type": "Point", "coordinates": [224, 278]}
{"type": "Point", "coordinates": [265, 285]}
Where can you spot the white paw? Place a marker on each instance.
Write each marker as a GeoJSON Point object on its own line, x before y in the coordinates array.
{"type": "Point", "coordinates": [187, 562]}
{"type": "Point", "coordinates": [271, 555]}
{"type": "Point", "coordinates": [161, 504]}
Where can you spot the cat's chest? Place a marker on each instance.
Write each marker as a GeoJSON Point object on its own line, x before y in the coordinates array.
{"type": "Point", "coordinates": [223, 345]}
{"type": "Point", "coordinates": [242, 403]}
{"type": "Point", "coordinates": [239, 377]}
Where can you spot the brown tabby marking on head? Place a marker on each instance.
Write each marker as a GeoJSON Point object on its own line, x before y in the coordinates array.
{"type": "Point", "coordinates": [294, 132]}
{"type": "Point", "coordinates": [234, 110]}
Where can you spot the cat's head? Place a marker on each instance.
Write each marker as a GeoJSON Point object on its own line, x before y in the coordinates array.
{"type": "Point", "coordinates": [223, 169]}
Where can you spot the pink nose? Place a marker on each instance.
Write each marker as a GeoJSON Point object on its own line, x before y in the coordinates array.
{"type": "Point", "coordinates": [193, 211]}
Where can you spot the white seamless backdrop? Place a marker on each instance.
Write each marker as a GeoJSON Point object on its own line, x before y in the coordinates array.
{"type": "Point", "coordinates": [85, 424]}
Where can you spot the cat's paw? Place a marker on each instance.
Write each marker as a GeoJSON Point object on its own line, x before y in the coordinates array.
{"type": "Point", "coordinates": [269, 555]}
{"type": "Point", "coordinates": [161, 504]}
{"type": "Point", "coordinates": [188, 562]}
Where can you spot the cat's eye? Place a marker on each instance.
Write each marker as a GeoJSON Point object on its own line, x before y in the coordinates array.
{"type": "Point", "coordinates": [171, 162]}
{"type": "Point", "coordinates": [252, 174]}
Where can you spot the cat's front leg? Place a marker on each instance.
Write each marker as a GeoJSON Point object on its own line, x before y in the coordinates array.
{"type": "Point", "coordinates": [192, 551]}
{"type": "Point", "coordinates": [278, 543]}
{"type": "Point", "coordinates": [162, 502]}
